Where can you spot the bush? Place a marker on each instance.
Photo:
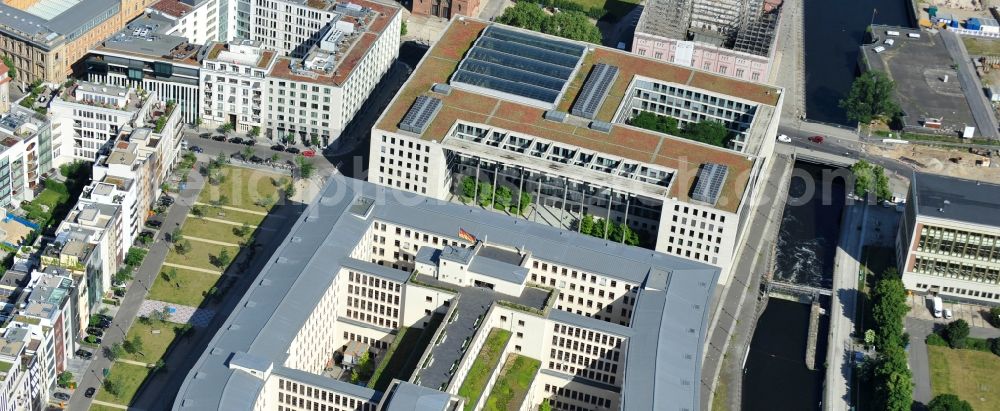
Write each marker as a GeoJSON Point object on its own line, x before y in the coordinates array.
{"type": "Point", "coordinates": [956, 333]}
{"type": "Point", "coordinates": [936, 340]}
{"type": "Point", "coordinates": [948, 402]}
{"type": "Point", "coordinates": [135, 256]}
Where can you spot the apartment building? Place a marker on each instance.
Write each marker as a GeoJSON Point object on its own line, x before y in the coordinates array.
{"type": "Point", "coordinates": [315, 97]}
{"type": "Point", "coordinates": [949, 239]}
{"type": "Point", "coordinates": [51, 305]}
{"type": "Point", "coordinates": [45, 38]}
{"type": "Point", "coordinates": [233, 78]}
{"type": "Point", "coordinates": [195, 20]}
{"type": "Point", "coordinates": [732, 38]}
{"type": "Point", "coordinates": [87, 117]}
{"type": "Point", "coordinates": [143, 56]}
{"type": "Point", "coordinates": [446, 8]}
{"type": "Point", "coordinates": [98, 229]}
{"type": "Point", "coordinates": [23, 385]}
{"type": "Point", "coordinates": [363, 261]}
{"type": "Point", "coordinates": [462, 122]}
{"type": "Point", "coordinates": [293, 27]}
{"type": "Point", "coordinates": [26, 154]}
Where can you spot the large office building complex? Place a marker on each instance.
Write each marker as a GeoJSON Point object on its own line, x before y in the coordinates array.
{"type": "Point", "coordinates": [949, 238]}
{"type": "Point", "coordinates": [316, 96]}
{"type": "Point", "coordinates": [543, 124]}
{"type": "Point", "coordinates": [604, 322]}
{"type": "Point", "coordinates": [734, 38]}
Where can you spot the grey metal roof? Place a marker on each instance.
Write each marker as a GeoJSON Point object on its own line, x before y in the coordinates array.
{"type": "Point", "coordinates": [663, 362]}
{"type": "Point", "coordinates": [956, 199]}
{"type": "Point", "coordinates": [65, 23]}
{"type": "Point", "coordinates": [379, 270]}
{"type": "Point", "coordinates": [154, 44]}
{"type": "Point", "coordinates": [304, 266]}
{"type": "Point", "coordinates": [461, 255]}
{"type": "Point", "coordinates": [406, 396]}
{"type": "Point", "coordinates": [428, 255]}
{"type": "Point", "coordinates": [329, 383]}
{"type": "Point", "coordinates": [498, 269]}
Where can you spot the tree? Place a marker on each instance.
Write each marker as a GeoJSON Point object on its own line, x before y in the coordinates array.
{"type": "Point", "coordinates": [11, 70]}
{"type": "Point", "coordinates": [275, 157]}
{"type": "Point", "coordinates": [869, 338]}
{"type": "Point", "coordinates": [522, 204]}
{"type": "Point", "coordinates": [708, 132]}
{"type": "Point", "coordinates": [870, 98]}
{"type": "Point", "coordinates": [65, 379]}
{"type": "Point", "coordinates": [254, 131]}
{"type": "Point", "coordinates": [243, 230]}
{"type": "Point", "coordinates": [123, 275]}
{"type": "Point", "coordinates": [115, 352]}
{"type": "Point", "coordinates": [895, 390]}
{"type": "Point", "coordinates": [223, 259]}
{"type": "Point", "coordinates": [177, 235]}
{"type": "Point", "coordinates": [290, 138]}
{"type": "Point", "coordinates": [882, 190]}
{"type": "Point", "coordinates": [994, 345]}
{"type": "Point", "coordinates": [248, 152]}
{"type": "Point", "coordinates": [265, 202]}
{"type": "Point", "coordinates": [289, 190]}
{"type": "Point", "coordinates": [485, 193]}
{"type": "Point", "coordinates": [306, 167]}
{"type": "Point", "coordinates": [572, 25]}
{"type": "Point", "coordinates": [503, 198]}
{"type": "Point", "coordinates": [364, 369]}
{"type": "Point", "coordinates": [889, 308]}
{"type": "Point", "coordinates": [112, 385]}
{"type": "Point", "coordinates": [468, 187]}
{"type": "Point", "coordinates": [182, 247]}
{"type": "Point", "coordinates": [159, 366]}
{"type": "Point", "coordinates": [135, 256]}
{"type": "Point", "coordinates": [600, 228]}
{"type": "Point", "coordinates": [169, 275]}
{"type": "Point", "coordinates": [652, 121]}
{"type": "Point", "coordinates": [948, 402]}
{"type": "Point", "coordinates": [402, 28]}
{"type": "Point", "coordinates": [525, 15]}
{"type": "Point", "coordinates": [544, 406]}
{"type": "Point", "coordinates": [956, 332]}
{"type": "Point", "coordinates": [133, 346]}
{"type": "Point", "coordinates": [227, 128]}
{"type": "Point", "coordinates": [184, 330]}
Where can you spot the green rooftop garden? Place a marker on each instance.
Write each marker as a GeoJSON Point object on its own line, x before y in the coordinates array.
{"type": "Point", "coordinates": [487, 361]}
{"type": "Point", "coordinates": [512, 386]}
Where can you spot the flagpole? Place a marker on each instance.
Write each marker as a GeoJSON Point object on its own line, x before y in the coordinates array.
{"type": "Point", "coordinates": [872, 23]}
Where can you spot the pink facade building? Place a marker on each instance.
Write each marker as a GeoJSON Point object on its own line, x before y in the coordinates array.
{"type": "Point", "coordinates": [708, 57]}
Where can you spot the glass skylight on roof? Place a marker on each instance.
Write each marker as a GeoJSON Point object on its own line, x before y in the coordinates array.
{"type": "Point", "coordinates": [519, 66]}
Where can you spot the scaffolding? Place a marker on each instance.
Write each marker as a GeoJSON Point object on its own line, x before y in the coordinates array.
{"type": "Point", "coordinates": [757, 35]}
{"type": "Point", "coordinates": [666, 18]}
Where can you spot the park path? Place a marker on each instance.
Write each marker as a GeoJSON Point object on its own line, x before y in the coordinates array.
{"type": "Point", "coordinates": [141, 364]}
{"type": "Point", "coordinates": [110, 404]}
{"type": "Point", "coordinates": [233, 208]}
{"type": "Point", "coordinates": [188, 267]}
{"type": "Point", "coordinates": [205, 240]}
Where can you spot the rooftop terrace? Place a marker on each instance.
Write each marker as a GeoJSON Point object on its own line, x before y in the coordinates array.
{"type": "Point", "coordinates": [144, 38]}
{"type": "Point", "coordinates": [625, 141]}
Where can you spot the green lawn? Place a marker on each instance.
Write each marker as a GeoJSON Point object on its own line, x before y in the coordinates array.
{"type": "Point", "coordinates": [243, 187]}
{"type": "Point", "coordinates": [48, 197]}
{"type": "Point", "coordinates": [484, 365]}
{"type": "Point", "coordinates": [981, 46]}
{"type": "Point", "coordinates": [201, 255]}
{"type": "Point", "coordinates": [513, 383]}
{"type": "Point", "coordinates": [156, 338]}
{"type": "Point", "coordinates": [131, 377]}
{"type": "Point", "coordinates": [191, 290]}
{"type": "Point", "coordinates": [211, 230]}
{"type": "Point", "coordinates": [231, 215]}
{"type": "Point", "coordinates": [99, 407]}
{"type": "Point", "coordinates": [971, 375]}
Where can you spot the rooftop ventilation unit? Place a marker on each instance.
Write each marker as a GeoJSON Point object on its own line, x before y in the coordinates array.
{"type": "Point", "coordinates": [601, 126]}
{"type": "Point", "coordinates": [420, 114]}
{"type": "Point", "coordinates": [441, 88]}
{"type": "Point", "coordinates": [554, 115]}
{"type": "Point", "coordinates": [709, 184]}
{"type": "Point", "coordinates": [595, 90]}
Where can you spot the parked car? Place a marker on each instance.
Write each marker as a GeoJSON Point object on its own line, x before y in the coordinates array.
{"type": "Point", "coordinates": [256, 159]}
{"type": "Point", "coordinates": [816, 139]}
{"type": "Point", "coordinates": [947, 313]}
{"type": "Point", "coordinates": [219, 138]}
{"type": "Point", "coordinates": [292, 150]}
{"type": "Point", "coordinates": [309, 153]}
{"type": "Point", "coordinates": [105, 317]}
{"type": "Point", "coordinates": [205, 135]}
{"type": "Point", "coordinates": [196, 149]}
{"type": "Point", "coordinates": [249, 142]}
{"type": "Point", "coordinates": [236, 140]}
{"type": "Point", "coordinates": [784, 138]}
{"type": "Point", "coordinates": [61, 396]}
{"type": "Point", "coordinates": [154, 223]}
{"type": "Point", "coordinates": [90, 392]}
{"type": "Point", "coordinates": [84, 354]}
{"type": "Point", "coordinates": [104, 324]}
{"type": "Point", "coordinates": [96, 332]}
{"type": "Point", "coordinates": [166, 200]}
{"type": "Point", "coordinates": [278, 147]}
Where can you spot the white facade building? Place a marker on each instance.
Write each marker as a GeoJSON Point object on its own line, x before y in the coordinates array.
{"type": "Point", "coordinates": [196, 20]}
{"type": "Point", "coordinates": [21, 388]}
{"type": "Point", "coordinates": [233, 82]}
{"type": "Point", "coordinates": [87, 117]}
{"type": "Point", "coordinates": [559, 155]}
{"type": "Point", "coordinates": [26, 154]}
{"type": "Point", "coordinates": [317, 96]}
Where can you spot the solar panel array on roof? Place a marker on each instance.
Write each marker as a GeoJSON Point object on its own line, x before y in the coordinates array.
{"type": "Point", "coordinates": [520, 64]}
{"type": "Point", "coordinates": [420, 114]}
{"type": "Point", "coordinates": [709, 184]}
{"type": "Point", "coordinates": [595, 90]}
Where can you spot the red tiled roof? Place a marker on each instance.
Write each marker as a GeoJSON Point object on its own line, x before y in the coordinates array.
{"type": "Point", "coordinates": [171, 7]}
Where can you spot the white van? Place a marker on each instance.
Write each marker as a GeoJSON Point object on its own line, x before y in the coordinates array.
{"type": "Point", "coordinates": [890, 42]}
{"type": "Point", "coordinates": [938, 307]}
{"type": "Point", "coordinates": [892, 33]}
{"type": "Point", "coordinates": [913, 35]}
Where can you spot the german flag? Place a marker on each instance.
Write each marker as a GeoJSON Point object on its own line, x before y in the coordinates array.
{"type": "Point", "coordinates": [465, 235]}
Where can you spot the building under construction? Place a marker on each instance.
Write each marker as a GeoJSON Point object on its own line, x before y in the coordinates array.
{"type": "Point", "coordinates": [706, 33]}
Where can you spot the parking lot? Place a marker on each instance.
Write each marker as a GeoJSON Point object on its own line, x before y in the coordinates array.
{"type": "Point", "coordinates": [975, 315]}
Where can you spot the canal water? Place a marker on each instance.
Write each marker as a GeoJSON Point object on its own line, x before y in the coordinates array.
{"type": "Point", "coordinates": [807, 242]}
{"type": "Point", "coordinates": [776, 377]}
{"type": "Point", "coordinates": [833, 31]}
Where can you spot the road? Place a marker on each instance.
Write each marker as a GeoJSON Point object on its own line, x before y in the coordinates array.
{"type": "Point", "coordinates": [136, 293]}
{"type": "Point", "coordinates": [847, 148]}
{"type": "Point", "coordinates": [847, 266]}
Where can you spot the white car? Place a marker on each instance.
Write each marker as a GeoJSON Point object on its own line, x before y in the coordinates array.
{"type": "Point", "coordinates": [784, 139]}
{"type": "Point", "coordinates": [947, 313]}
